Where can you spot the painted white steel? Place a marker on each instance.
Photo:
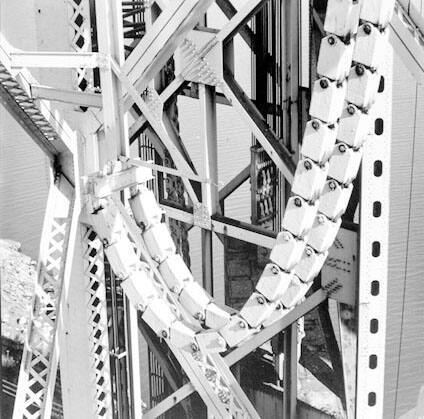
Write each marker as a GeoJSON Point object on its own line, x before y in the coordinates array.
{"type": "Point", "coordinates": [373, 260]}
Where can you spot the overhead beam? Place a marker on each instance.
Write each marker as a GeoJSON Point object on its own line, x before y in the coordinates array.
{"type": "Point", "coordinates": [227, 227]}
{"type": "Point", "coordinates": [168, 170]}
{"type": "Point", "coordinates": [66, 96]}
{"type": "Point", "coordinates": [21, 59]}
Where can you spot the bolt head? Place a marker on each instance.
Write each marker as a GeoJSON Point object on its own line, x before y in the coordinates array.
{"type": "Point", "coordinates": [298, 202]}
{"type": "Point", "coordinates": [315, 125]}
{"type": "Point", "coordinates": [332, 185]}
{"type": "Point", "coordinates": [308, 165]}
{"type": "Point", "coordinates": [164, 334]}
{"type": "Point", "coordinates": [331, 40]}
{"type": "Point", "coordinates": [242, 324]}
{"type": "Point", "coordinates": [321, 219]}
{"type": "Point", "coordinates": [342, 148]}
{"type": "Point", "coordinates": [367, 29]}
{"type": "Point", "coordinates": [323, 83]}
{"type": "Point", "coordinates": [351, 110]}
{"type": "Point", "coordinates": [309, 251]}
{"type": "Point", "coordinates": [274, 270]}
{"type": "Point", "coordinates": [261, 300]}
{"type": "Point", "coordinates": [360, 70]}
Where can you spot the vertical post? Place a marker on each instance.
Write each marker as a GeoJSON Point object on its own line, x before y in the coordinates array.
{"type": "Point", "coordinates": [294, 74]}
{"type": "Point", "coordinates": [373, 253]}
{"type": "Point", "coordinates": [116, 143]}
{"type": "Point", "coordinates": [291, 56]}
{"type": "Point", "coordinates": [210, 195]}
{"type": "Point", "coordinates": [1, 348]}
{"type": "Point", "coordinates": [110, 41]}
{"type": "Point", "coordinates": [290, 372]}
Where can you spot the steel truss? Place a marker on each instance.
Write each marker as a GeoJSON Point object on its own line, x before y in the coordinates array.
{"type": "Point", "coordinates": [140, 250]}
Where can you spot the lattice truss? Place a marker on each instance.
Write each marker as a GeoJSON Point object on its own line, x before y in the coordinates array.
{"type": "Point", "coordinates": [94, 275]}
{"type": "Point", "coordinates": [139, 247]}
{"type": "Point", "coordinates": [39, 360]}
{"type": "Point", "coordinates": [81, 39]}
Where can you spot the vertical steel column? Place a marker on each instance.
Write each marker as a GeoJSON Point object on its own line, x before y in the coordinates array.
{"type": "Point", "coordinates": [373, 258]}
{"type": "Point", "coordinates": [290, 372]}
{"type": "Point", "coordinates": [210, 195]}
{"type": "Point", "coordinates": [37, 376]}
{"type": "Point", "coordinates": [96, 305]}
{"type": "Point", "coordinates": [116, 143]}
{"type": "Point", "coordinates": [291, 13]}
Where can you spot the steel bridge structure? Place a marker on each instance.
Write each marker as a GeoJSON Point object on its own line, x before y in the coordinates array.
{"type": "Point", "coordinates": [111, 278]}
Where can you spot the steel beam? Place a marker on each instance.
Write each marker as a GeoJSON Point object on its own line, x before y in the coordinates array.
{"type": "Point", "coordinates": [290, 372]}
{"type": "Point", "coordinates": [227, 227]}
{"type": "Point", "coordinates": [210, 196]}
{"type": "Point", "coordinates": [373, 255]}
{"type": "Point", "coordinates": [279, 154]}
{"type": "Point", "coordinates": [230, 11]}
{"type": "Point", "coordinates": [21, 59]}
{"type": "Point", "coordinates": [234, 183]}
{"type": "Point", "coordinates": [66, 96]}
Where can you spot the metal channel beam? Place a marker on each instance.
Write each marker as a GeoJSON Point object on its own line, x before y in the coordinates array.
{"type": "Point", "coordinates": [373, 256]}
{"type": "Point", "coordinates": [66, 96]}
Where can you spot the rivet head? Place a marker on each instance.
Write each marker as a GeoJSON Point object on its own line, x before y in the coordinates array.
{"type": "Point", "coordinates": [278, 306]}
{"type": "Point", "coordinates": [315, 125]}
{"type": "Point", "coordinates": [351, 110]}
{"type": "Point", "coordinates": [274, 270]}
{"type": "Point", "coordinates": [298, 202]}
{"type": "Point", "coordinates": [331, 40]}
{"type": "Point", "coordinates": [261, 300]}
{"type": "Point", "coordinates": [323, 83]}
{"type": "Point", "coordinates": [342, 148]}
{"type": "Point", "coordinates": [309, 251]}
{"type": "Point", "coordinates": [367, 29]}
{"type": "Point", "coordinates": [176, 289]}
{"type": "Point", "coordinates": [242, 324]}
{"type": "Point", "coordinates": [360, 70]}
{"type": "Point", "coordinates": [321, 219]}
{"type": "Point", "coordinates": [308, 165]}
{"type": "Point", "coordinates": [332, 185]}
{"type": "Point", "coordinates": [164, 334]}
